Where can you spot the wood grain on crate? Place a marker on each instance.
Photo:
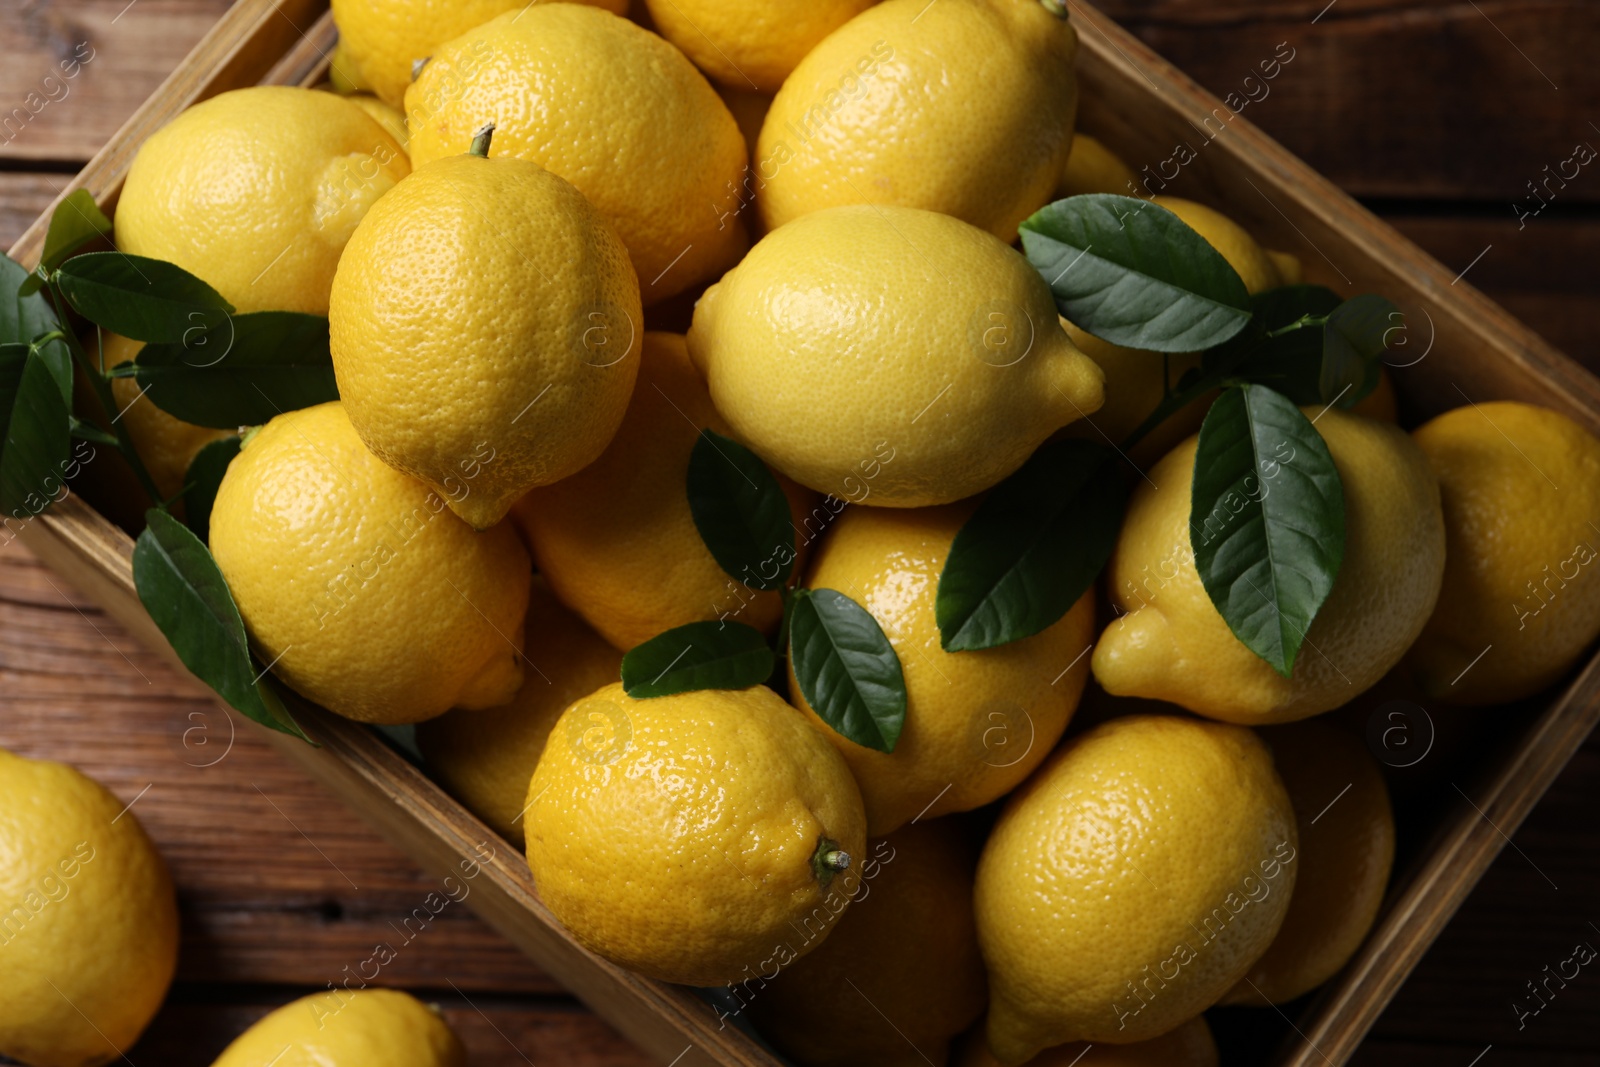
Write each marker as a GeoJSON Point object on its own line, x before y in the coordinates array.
{"type": "Point", "coordinates": [1355, 53]}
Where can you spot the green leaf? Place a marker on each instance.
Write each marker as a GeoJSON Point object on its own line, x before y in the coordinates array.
{"type": "Point", "coordinates": [1038, 540]}
{"type": "Point", "coordinates": [200, 484]}
{"type": "Point", "coordinates": [1355, 336]}
{"type": "Point", "coordinates": [741, 512]}
{"type": "Point", "coordinates": [77, 221]}
{"type": "Point", "coordinates": [145, 299]}
{"type": "Point", "coordinates": [847, 670]}
{"type": "Point", "coordinates": [185, 593]}
{"type": "Point", "coordinates": [1267, 520]}
{"type": "Point", "coordinates": [22, 317]}
{"type": "Point", "coordinates": [269, 363]}
{"type": "Point", "coordinates": [88, 431]}
{"type": "Point", "coordinates": [1134, 274]}
{"type": "Point", "coordinates": [1291, 361]}
{"type": "Point", "coordinates": [701, 655]}
{"type": "Point", "coordinates": [35, 436]}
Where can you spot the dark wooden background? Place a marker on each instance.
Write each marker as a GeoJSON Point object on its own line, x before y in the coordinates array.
{"type": "Point", "coordinates": [1437, 113]}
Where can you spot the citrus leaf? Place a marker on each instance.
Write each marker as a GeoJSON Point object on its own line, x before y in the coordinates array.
{"type": "Point", "coordinates": [1355, 336]}
{"type": "Point", "coordinates": [846, 668]}
{"type": "Point", "coordinates": [255, 367]}
{"type": "Point", "coordinates": [1266, 520]}
{"type": "Point", "coordinates": [741, 512]}
{"type": "Point", "coordinates": [23, 317]}
{"type": "Point", "coordinates": [1038, 540]}
{"type": "Point", "coordinates": [35, 430]}
{"type": "Point", "coordinates": [76, 221]}
{"type": "Point", "coordinates": [184, 592]}
{"type": "Point", "coordinates": [701, 655]}
{"type": "Point", "coordinates": [1133, 273]}
{"type": "Point", "coordinates": [200, 484]}
{"type": "Point", "coordinates": [1291, 362]}
{"type": "Point", "coordinates": [145, 299]}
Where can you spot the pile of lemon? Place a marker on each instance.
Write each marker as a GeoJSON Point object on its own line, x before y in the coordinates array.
{"type": "Point", "coordinates": [554, 244]}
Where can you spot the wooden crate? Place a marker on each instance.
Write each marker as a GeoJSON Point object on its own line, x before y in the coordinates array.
{"type": "Point", "coordinates": [1470, 350]}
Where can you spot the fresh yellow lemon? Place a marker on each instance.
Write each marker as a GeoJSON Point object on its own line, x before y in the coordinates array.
{"type": "Point", "coordinates": [1133, 389]}
{"type": "Point", "coordinates": [344, 77]}
{"type": "Point", "coordinates": [899, 976]}
{"type": "Point", "coordinates": [483, 328]}
{"type": "Point", "coordinates": [1131, 882]}
{"type": "Point", "coordinates": [889, 355]}
{"type": "Point", "coordinates": [88, 919]}
{"type": "Point", "coordinates": [1254, 265]}
{"type": "Point", "coordinates": [1521, 597]}
{"type": "Point", "coordinates": [256, 191]}
{"type": "Point", "coordinates": [977, 723]}
{"type": "Point", "coordinates": [389, 117]}
{"type": "Point", "coordinates": [750, 46]}
{"type": "Point", "coordinates": [1094, 168]}
{"type": "Point", "coordinates": [1170, 643]}
{"type": "Point", "coordinates": [695, 838]}
{"type": "Point", "coordinates": [1346, 826]}
{"type": "Point", "coordinates": [356, 583]}
{"type": "Point", "coordinates": [617, 541]}
{"type": "Point", "coordinates": [166, 444]}
{"type": "Point", "coordinates": [964, 107]}
{"type": "Point", "coordinates": [380, 41]}
{"type": "Point", "coordinates": [348, 1028]}
{"type": "Point", "coordinates": [1190, 1045]}
{"type": "Point", "coordinates": [613, 109]}
{"type": "Point", "coordinates": [485, 758]}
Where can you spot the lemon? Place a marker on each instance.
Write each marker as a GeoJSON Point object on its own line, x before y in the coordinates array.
{"type": "Point", "coordinates": [694, 838]}
{"type": "Point", "coordinates": [1094, 168]}
{"type": "Point", "coordinates": [1133, 389]}
{"type": "Point", "coordinates": [613, 109]}
{"type": "Point", "coordinates": [390, 118]}
{"type": "Point", "coordinates": [1169, 642]}
{"type": "Point", "coordinates": [1346, 827]}
{"type": "Point", "coordinates": [899, 976]}
{"type": "Point", "coordinates": [256, 191]}
{"type": "Point", "coordinates": [166, 445]}
{"type": "Point", "coordinates": [381, 40]}
{"type": "Point", "coordinates": [1131, 882]}
{"type": "Point", "coordinates": [1382, 403]}
{"type": "Point", "coordinates": [889, 355]}
{"type": "Point", "coordinates": [357, 585]}
{"type": "Point", "coordinates": [1255, 266]}
{"type": "Point", "coordinates": [348, 1028]}
{"type": "Point", "coordinates": [484, 758]}
{"type": "Point", "coordinates": [977, 723]}
{"type": "Point", "coordinates": [617, 540]}
{"type": "Point", "coordinates": [750, 46]}
{"type": "Point", "coordinates": [88, 919]}
{"type": "Point", "coordinates": [343, 75]}
{"type": "Point", "coordinates": [964, 107]}
{"type": "Point", "coordinates": [1521, 596]}
{"type": "Point", "coordinates": [483, 330]}
{"type": "Point", "coordinates": [1190, 1045]}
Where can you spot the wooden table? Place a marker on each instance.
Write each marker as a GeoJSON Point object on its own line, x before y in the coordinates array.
{"type": "Point", "coordinates": [1438, 114]}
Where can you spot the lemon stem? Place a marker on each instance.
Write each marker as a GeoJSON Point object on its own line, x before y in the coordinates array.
{"type": "Point", "coordinates": [480, 141]}
{"type": "Point", "coordinates": [828, 860]}
{"type": "Point", "coordinates": [1058, 8]}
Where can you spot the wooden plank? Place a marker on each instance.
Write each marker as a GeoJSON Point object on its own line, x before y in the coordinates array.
{"type": "Point", "coordinates": [1409, 98]}
{"type": "Point", "coordinates": [497, 1031]}
{"type": "Point", "coordinates": [76, 69]}
{"type": "Point", "coordinates": [279, 882]}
